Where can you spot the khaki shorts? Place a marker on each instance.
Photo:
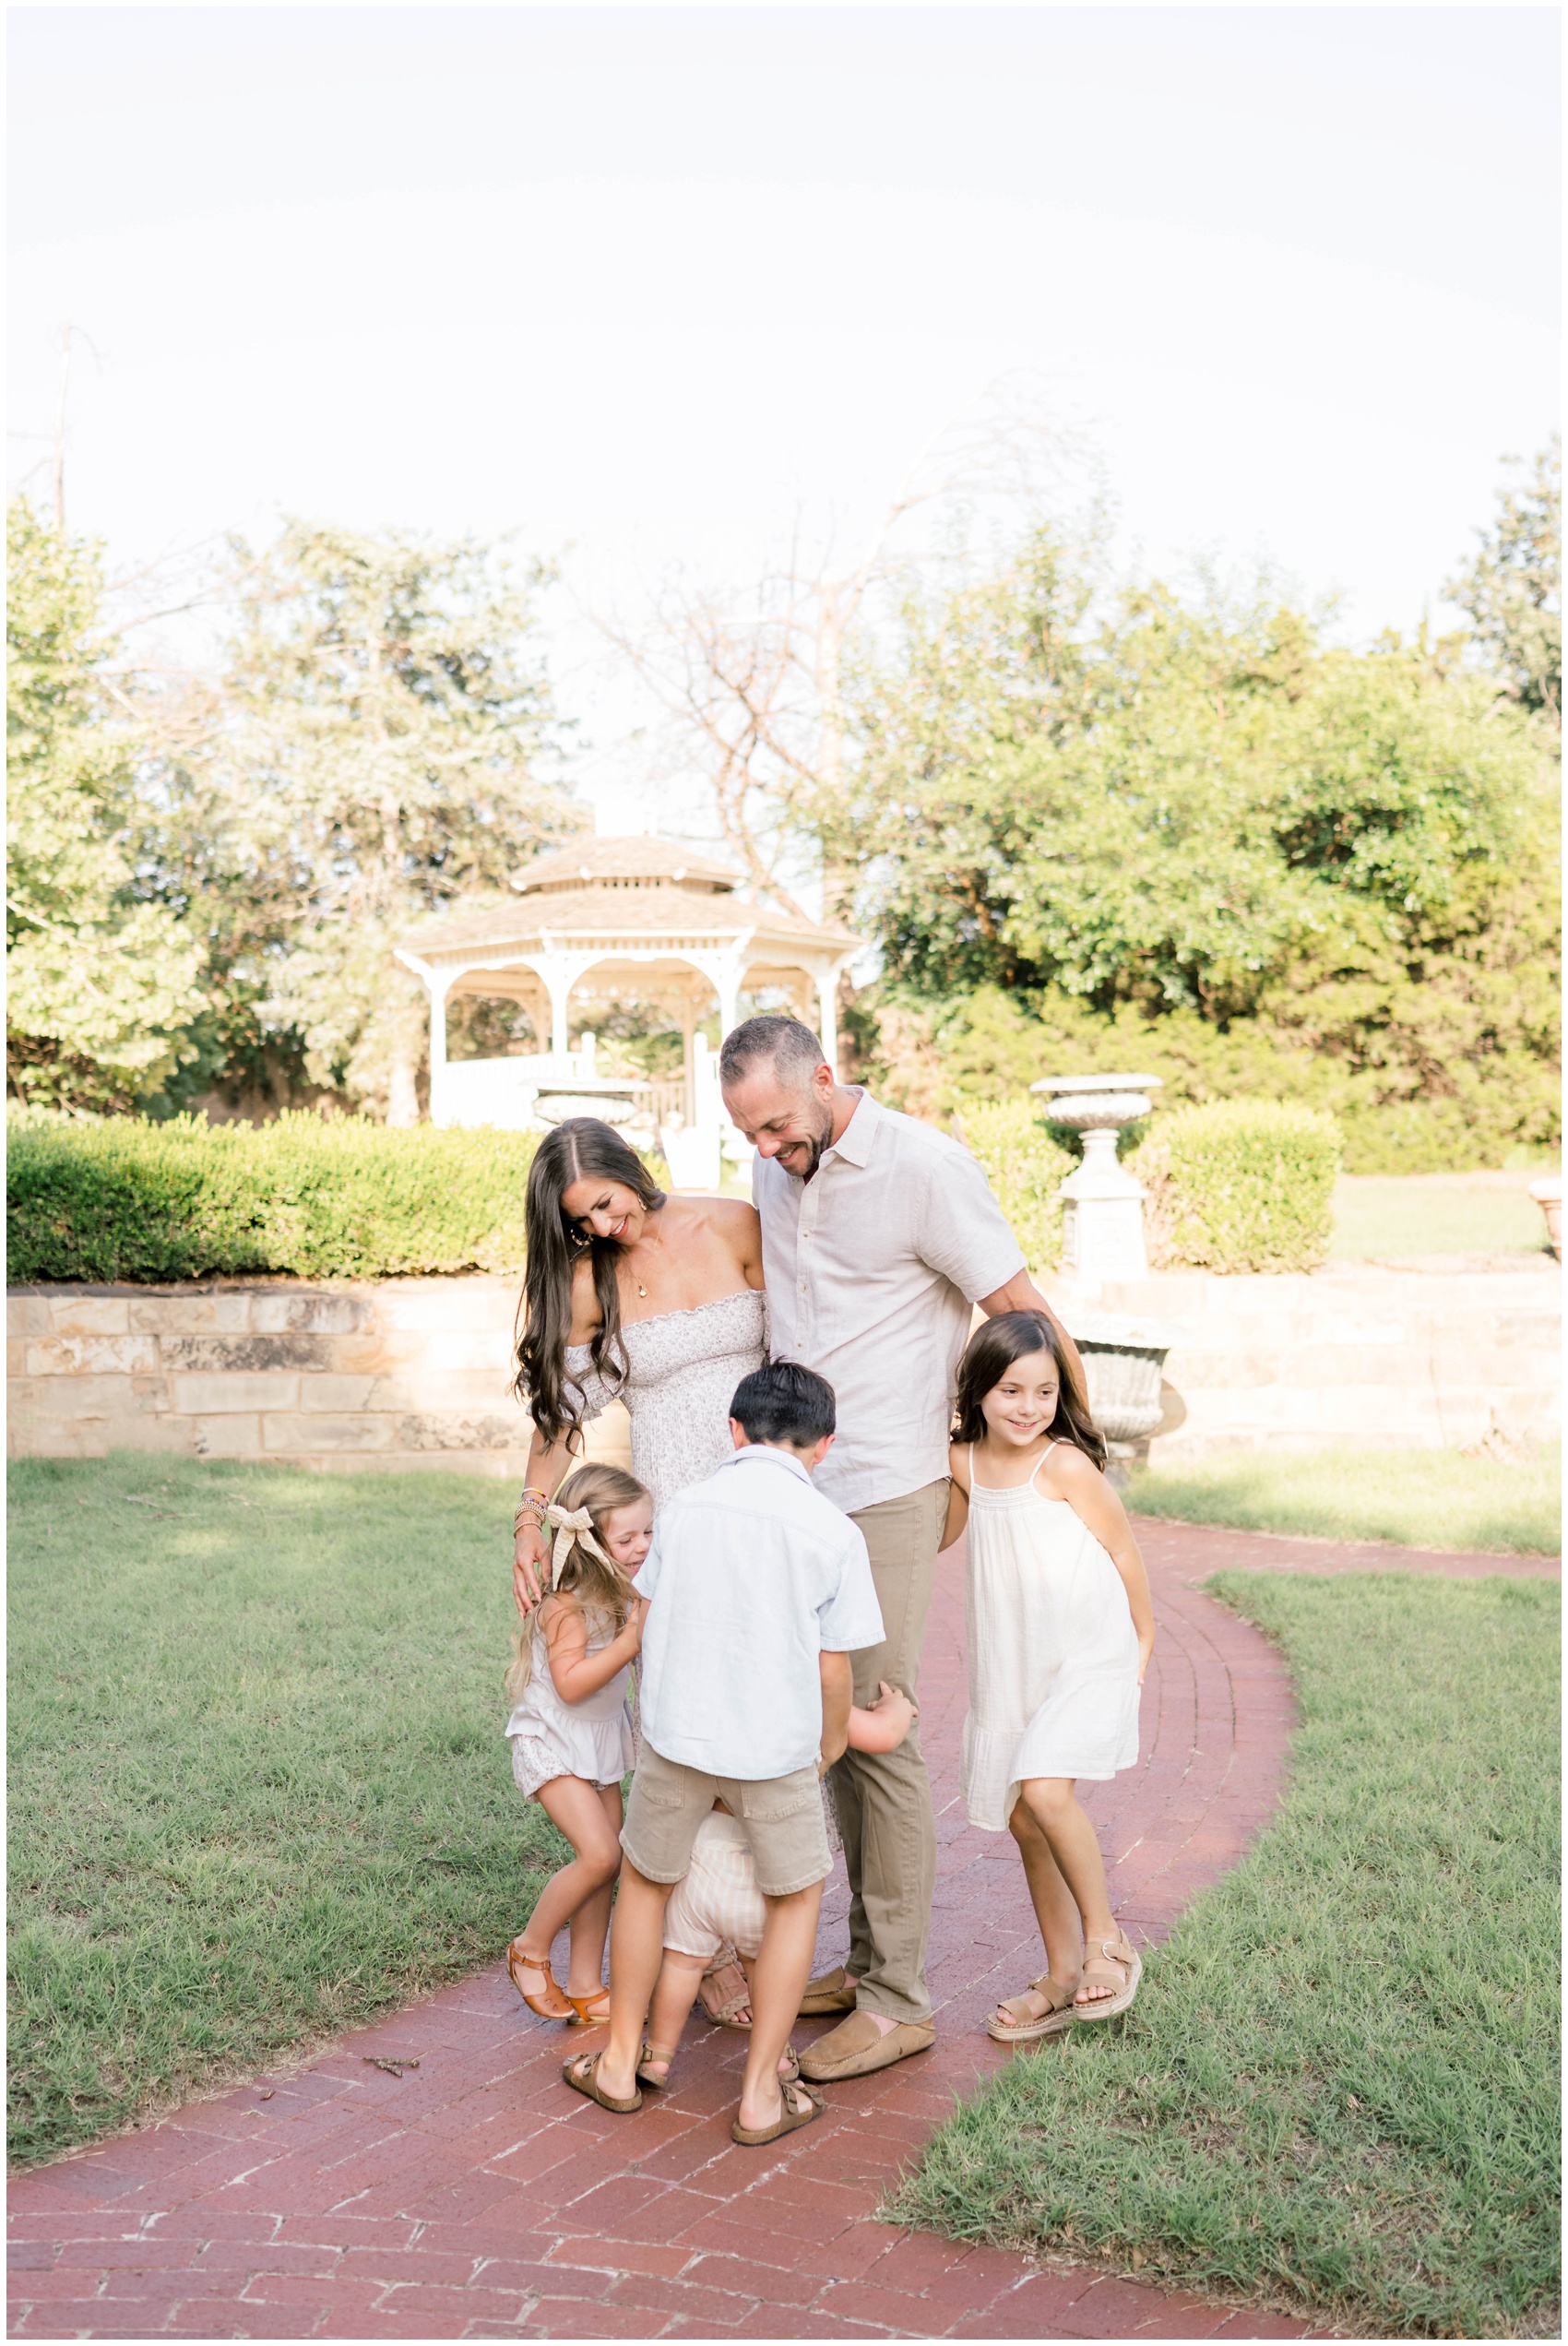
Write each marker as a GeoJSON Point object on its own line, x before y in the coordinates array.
{"type": "Point", "coordinates": [781, 1816]}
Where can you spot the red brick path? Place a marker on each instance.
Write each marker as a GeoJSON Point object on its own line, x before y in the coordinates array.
{"type": "Point", "coordinates": [476, 2197]}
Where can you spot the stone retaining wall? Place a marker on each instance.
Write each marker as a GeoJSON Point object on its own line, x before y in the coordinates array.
{"type": "Point", "coordinates": [1391, 1356]}
{"type": "Point", "coordinates": [394, 1373]}
{"type": "Point", "coordinates": [410, 1373]}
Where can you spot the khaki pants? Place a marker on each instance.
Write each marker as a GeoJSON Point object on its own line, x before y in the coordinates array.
{"type": "Point", "coordinates": [882, 1799]}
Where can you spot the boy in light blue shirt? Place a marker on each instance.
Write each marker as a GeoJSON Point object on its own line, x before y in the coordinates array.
{"type": "Point", "coordinates": [758, 1590]}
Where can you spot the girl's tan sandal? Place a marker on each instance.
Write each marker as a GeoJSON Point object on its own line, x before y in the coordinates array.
{"type": "Point", "coordinates": [552, 2004]}
{"type": "Point", "coordinates": [590, 2011]}
{"type": "Point", "coordinates": [582, 2074]}
{"type": "Point", "coordinates": [1028, 2028]}
{"type": "Point", "coordinates": [1116, 1965]}
{"type": "Point", "coordinates": [801, 2107]}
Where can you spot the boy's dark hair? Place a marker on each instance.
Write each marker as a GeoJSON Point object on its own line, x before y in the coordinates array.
{"type": "Point", "coordinates": [991, 1353]}
{"type": "Point", "coordinates": [785, 1402]}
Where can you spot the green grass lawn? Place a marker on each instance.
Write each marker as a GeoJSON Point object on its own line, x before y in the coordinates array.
{"type": "Point", "coordinates": [1378, 1218]}
{"type": "Point", "coordinates": [1420, 1498]}
{"type": "Point", "coordinates": [257, 1781]}
{"type": "Point", "coordinates": [1339, 2084]}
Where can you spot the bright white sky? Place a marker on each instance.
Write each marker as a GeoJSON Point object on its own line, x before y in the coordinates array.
{"type": "Point", "coordinates": [637, 282]}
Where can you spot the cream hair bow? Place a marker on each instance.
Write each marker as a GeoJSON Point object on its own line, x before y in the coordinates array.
{"type": "Point", "coordinates": [572, 1523]}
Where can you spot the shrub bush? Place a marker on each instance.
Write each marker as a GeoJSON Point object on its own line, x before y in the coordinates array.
{"type": "Point", "coordinates": [1239, 1185]}
{"type": "Point", "coordinates": [339, 1198]}
{"type": "Point", "coordinates": [1024, 1167]}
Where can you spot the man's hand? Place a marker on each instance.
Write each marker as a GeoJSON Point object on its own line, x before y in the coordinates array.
{"type": "Point", "coordinates": [529, 1558]}
{"type": "Point", "coordinates": [1021, 1294]}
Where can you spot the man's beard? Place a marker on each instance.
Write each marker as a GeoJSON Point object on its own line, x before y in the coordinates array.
{"type": "Point", "coordinates": [817, 1145]}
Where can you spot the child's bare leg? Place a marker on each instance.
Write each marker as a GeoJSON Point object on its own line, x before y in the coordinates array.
{"type": "Point", "coordinates": [1050, 1801]}
{"type": "Point", "coordinates": [679, 1976]}
{"type": "Point", "coordinates": [637, 1953]}
{"type": "Point", "coordinates": [590, 1924]}
{"type": "Point", "coordinates": [779, 1980]}
{"type": "Point", "coordinates": [1056, 1909]}
{"type": "Point", "coordinates": [577, 1810]}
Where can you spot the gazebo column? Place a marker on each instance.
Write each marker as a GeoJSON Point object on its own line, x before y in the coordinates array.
{"type": "Point", "coordinates": [828, 1002]}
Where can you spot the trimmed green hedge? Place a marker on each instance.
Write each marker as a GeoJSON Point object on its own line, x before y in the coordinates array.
{"type": "Point", "coordinates": [1240, 1186]}
{"type": "Point", "coordinates": [1026, 1167]}
{"type": "Point", "coordinates": [312, 1197]}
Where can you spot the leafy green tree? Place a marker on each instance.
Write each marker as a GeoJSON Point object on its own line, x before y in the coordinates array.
{"type": "Point", "coordinates": [103, 982]}
{"type": "Point", "coordinates": [1198, 819]}
{"type": "Point", "coordinates": [379, 732]}
{"type": "Point", "coordinates": [1513, 587]}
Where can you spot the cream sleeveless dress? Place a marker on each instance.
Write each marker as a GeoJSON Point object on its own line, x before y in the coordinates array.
{"type": "Point", "coordinates": [681, 1371]}
{"type": "Point", "coordinates": [591, 1738]}
{"type": "Point", "coordinates": [1054, 1655]}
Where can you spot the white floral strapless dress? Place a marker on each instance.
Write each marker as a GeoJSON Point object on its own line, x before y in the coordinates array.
{"type": "Point", "coordinates": [681, 1371]}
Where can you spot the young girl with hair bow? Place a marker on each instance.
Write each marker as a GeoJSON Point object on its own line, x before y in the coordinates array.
{"type": "Point", "coordinates": [570, 1729]}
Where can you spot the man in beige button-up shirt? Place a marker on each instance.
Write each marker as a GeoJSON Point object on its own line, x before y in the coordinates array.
{"type": "Point", "coordinates": [879, 1235]}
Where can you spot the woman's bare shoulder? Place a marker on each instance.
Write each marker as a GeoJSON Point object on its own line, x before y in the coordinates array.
{"type": "Point", "coordinates": [729, 1220]}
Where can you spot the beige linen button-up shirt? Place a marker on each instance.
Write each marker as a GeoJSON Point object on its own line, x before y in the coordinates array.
{"type": "Point", "coordinates": [873, 1269]}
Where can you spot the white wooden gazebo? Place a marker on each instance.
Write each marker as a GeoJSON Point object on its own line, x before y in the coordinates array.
{"type": "Point", "coordinates": [638, 917]}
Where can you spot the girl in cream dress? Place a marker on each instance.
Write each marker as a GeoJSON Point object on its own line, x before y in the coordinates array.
{"type": "Point", "coordinates": [1060, 1633]}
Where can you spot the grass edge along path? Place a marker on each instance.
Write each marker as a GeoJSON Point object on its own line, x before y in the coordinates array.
{"type": "Point", "coordinates": [258, 1787]}
{"type": "Point", "coordinates": [1435, 1499]}
{"type": "Point", "coordinates": [1338, 2093]}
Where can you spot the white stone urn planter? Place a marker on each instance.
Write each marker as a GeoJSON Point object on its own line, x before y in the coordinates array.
{"type": "Point", "coordinates": [1548, 1195]}
{"type": "Point", "coordinates": [1102, 1218]}
{"type": "Point", "coordinates": [1124, 1359]}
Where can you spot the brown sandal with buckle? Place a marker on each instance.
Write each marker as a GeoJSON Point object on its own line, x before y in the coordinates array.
{"type": "Point", "coordinates": [791, 2116]}
{"type": "Point", "coordinates": [552, 2004]}
{"type": "Point", "coordinates": [581, 2074]}
{"type": "Point", "coordinates": [1116, 1965]}
{"type": "Point", "coordinates": [1028, 2028]}
{"type": "Point", "coordinates": [584, 2017]}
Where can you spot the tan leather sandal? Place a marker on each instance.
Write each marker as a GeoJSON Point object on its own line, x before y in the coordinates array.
{"type": "Point", "coordinates": [1028, 2028]}
{"type": "Point", "coordinates": [1115, 1964]}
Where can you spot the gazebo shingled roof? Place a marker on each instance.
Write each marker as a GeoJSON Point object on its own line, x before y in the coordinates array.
{"type": "Point", "coordinates": [641, 915]}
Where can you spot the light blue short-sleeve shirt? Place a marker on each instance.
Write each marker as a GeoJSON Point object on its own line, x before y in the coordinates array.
{"type": "Point", "coordinates": [752, 1575]}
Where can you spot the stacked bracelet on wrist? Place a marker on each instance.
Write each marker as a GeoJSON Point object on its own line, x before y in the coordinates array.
{"type": "Point", "coordinates": [530, 1509]}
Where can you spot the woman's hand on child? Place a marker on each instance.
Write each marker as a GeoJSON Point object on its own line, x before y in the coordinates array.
{"type": "Point", "coordinates": [529, 1556]}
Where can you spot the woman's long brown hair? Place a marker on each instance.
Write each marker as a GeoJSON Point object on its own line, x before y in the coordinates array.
{"type": "Point", "coordinates": [581, 1149]}
{"type": "Point", "coordinates": [988, 1356]}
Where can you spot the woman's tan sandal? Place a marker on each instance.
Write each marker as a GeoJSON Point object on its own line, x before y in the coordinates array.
{"type": "Point", "coordinates": [723, 2010]}
{"type": "Point", "coordinates": [1025, 2027]}
{"type": "Point", "coordinates": [552, 2004]}
{"type": "Point", "coordinates": [1116, 1964]}
{"type": "Point", "coordinates": [590, 2011]}
{"type": "Point", "coordinates": [801, 2107]}
{"type": "Point", "coordinates": [582, 2074]}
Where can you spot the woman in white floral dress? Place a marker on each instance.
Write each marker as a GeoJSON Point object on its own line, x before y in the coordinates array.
{"type": "Point", "coordinates": [638, 1297]}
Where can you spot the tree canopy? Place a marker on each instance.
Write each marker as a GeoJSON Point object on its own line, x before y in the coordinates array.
{"type": "Point", "coordinates": [369, 747]}
{"type": "Point", "coordinates": [1184, 807]}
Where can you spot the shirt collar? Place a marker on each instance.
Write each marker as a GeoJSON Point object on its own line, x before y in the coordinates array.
{"type": "Point", "coordinates": [770, 1456]}
{"type": "Point", "coordinates": [854, 1143]}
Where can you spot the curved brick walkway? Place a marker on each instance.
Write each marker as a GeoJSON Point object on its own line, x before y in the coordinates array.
{"type": "Point", "coordinates": [474, 2197]}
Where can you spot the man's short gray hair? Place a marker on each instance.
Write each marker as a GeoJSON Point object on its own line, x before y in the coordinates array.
{"type": "Point", "coordinates": [786, 1044]}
